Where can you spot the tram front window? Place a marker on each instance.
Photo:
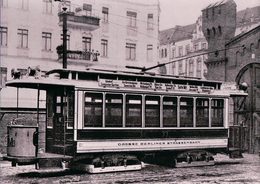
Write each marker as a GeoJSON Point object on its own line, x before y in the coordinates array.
{"type": "Point", "coordinates": [186, 112]}
{"type": "Point", "coordinates": [217, 113]}
{"type": "Point", "coordinates": [170, 112]}
{"type": "Point", "coordinates": [114, 110]}
{"type": "Point", "coordinates": [133, 111]}
{"type": "Point", "coordinates": [202, 112]}
{"type": "Point", "coordinates": [152, 111]}
{"type": "Point", "coordinates": [93, 110]}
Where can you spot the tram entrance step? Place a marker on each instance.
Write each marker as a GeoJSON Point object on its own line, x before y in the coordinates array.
{"type": "Point", "coordinates": [50, 160]}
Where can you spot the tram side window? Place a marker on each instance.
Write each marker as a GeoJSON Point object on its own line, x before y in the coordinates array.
{"type": "Point", "coordinates": [114, 110]}
{"type": "Point", "coordinates": [217, 113]}
{"type": "Point", "coordinates": [186, 112]}
{"type": "Point", "coordinates": [170, 112]}
{"type": "Point", "coordinates": [152, 111]}
{"type": "Point", "coordinates": [133, 110]}
{"type": "Point", "coordinates": [93, 110]}
{"type": "Point", "coordinates": [202, 112]}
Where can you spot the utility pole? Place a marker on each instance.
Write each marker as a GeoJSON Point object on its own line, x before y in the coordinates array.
{"type": "Point", "coordinates": [64, 33]}
{"type": "Point", "coordinates": [64, 30]}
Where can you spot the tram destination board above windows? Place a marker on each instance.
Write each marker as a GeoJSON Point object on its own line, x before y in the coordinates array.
{"type": "Point", "coordinates": [108, 83]}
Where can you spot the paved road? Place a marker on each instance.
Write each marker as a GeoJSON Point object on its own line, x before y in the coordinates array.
{"type": "Point", "coordinates": [225, 171]}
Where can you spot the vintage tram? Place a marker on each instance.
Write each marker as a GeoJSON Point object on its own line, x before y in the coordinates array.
{"type": "Point", "coordinates": [103, 120]}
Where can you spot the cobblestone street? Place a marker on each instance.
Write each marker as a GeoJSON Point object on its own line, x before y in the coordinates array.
{"type": "Point", "coordinates": [225, 171]}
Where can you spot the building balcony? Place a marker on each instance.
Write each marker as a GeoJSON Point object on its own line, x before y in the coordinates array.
{"type": "Point", "coordinates": [89, 23]}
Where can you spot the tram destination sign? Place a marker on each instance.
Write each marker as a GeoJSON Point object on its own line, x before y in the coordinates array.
{"type": "Point", "coordinates": [108, 83]}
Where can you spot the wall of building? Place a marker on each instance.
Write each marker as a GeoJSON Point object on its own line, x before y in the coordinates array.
{"type": "Point", "coordinates": [38, 17]}
{"type": "Point", "coordinates": [240, 56]}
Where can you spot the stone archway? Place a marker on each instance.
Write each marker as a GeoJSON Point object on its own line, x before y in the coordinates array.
{"type": "Point", "coordinates": [250, 74]}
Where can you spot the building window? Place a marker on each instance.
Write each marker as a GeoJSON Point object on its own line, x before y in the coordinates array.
{"type": "Point", "coordinates": [196, 47]}
{"type": "Point", "coordinates": [105, 15]}
{"type": "Point", "coordinates": [130, 51]}
{"type": "Point", "coordinates": [199, 67]}
{"type": "Point", "coordinates": [219, 30]}
{"type": "Point", "coordinates": [174, 68]}
{"type": "Point", "coordinates": [22, 38]}
{"type": "Point", "coordinates": [88, 9]}
{"type": "Point", "coordinates": [46, 41]}
{"type": "Point", "coordinates": [68, 41]}
{"type": "Point", "coordinates": [47, 6]}
{"type": "Point", "coordinates": [165, 52]}
{"type": "Point", "coordinates": [3, 36]}
{"type": "Point", "coordinates": [86, 41]}
{"type": "Point", "coordinates": [204, 46]}
{"type": "Point", "coordinates": [191, 67]}
{"type": "Point", "coordinates": [187, 48]}
{"type": "Point", "coordinates": [237, 58]}
{"type": "Point", "coordinates": [180, 51]}
{"type": "Point", "coordinates": [3, 77]}
{"type": "Point", "coordinates": [214, 32]}
{"type": "Point", "coordinates": [150, 21]}
{"type": "Point", "coordinates": [131, 18]}
{"type": "Point", "coordinates": [104, 48]}
{"type": "Point", "coordinates": [180, 68]}
{"type": "Point", "coordinates": [150, 53]}
{"type": "Point", "coordinates": [24, 4]}
{"type": "Point", "coordinates": [208, 33]}
{"type": "Point", "coordinates": [173, 52]}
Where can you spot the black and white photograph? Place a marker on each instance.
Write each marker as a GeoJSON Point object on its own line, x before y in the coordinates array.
{"type": "Point", "coordinates": [129, 91]}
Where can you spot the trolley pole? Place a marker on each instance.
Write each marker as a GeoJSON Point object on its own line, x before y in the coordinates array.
{"type": "Point", "coordinates": [64, 30]}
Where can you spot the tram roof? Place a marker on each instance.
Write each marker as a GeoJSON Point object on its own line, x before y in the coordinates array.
{"type": "Point", "coordinates": [43, 83]}
{"type": "Point", "coordinates": [63, 80]}
{"type": "Point", "coordinates": [136, 75]}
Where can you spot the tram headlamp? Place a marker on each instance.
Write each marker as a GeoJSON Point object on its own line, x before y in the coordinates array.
{"type": "Point", "coordinates": [243, 86]}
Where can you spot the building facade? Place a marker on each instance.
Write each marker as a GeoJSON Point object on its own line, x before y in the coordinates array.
{"type": "Point", "coordinates": [100, 34]}
{"type": "Point", "coordinates": [183, 47]}
{"type": "Point", "coordinates": [191, 44]}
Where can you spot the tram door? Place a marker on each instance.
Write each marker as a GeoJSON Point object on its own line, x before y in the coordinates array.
{"type": "Point", "coordinates": [60, 117]}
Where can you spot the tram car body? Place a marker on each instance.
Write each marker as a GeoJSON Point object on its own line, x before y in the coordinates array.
{"type": "Point", "coordinates": [100, 120]}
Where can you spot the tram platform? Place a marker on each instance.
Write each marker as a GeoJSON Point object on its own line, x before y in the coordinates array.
{"type": "Point", "coordinates": [42, 161]}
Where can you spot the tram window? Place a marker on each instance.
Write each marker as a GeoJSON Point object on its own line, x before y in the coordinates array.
{"type": "Point", "coordinates": [68, 109]}
{"type": "Point", "coordinates": [133, 111]}
{"type": "Point", "coordinates": [170, 112]}
{"type": "Point", "coordinates": [186, 112]}
{"type": "Point", "coordinates": [152, 111]}
{"type": "Point", "coordinates": [114, 110]}
{"type": "Point", "coordinates": [93, 110]}
{"type": "Point", "coordinates": [202, 112]}
{"type": "Point", "coordinates": [217, 113]}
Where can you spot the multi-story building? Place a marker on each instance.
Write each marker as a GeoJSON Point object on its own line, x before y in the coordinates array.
{"type": "Point", "coordinates": [119, 33]}
{"type": "Point", "coordinates": [184, 46]}
{"type": "Point", "coordinates": [100, 34]}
